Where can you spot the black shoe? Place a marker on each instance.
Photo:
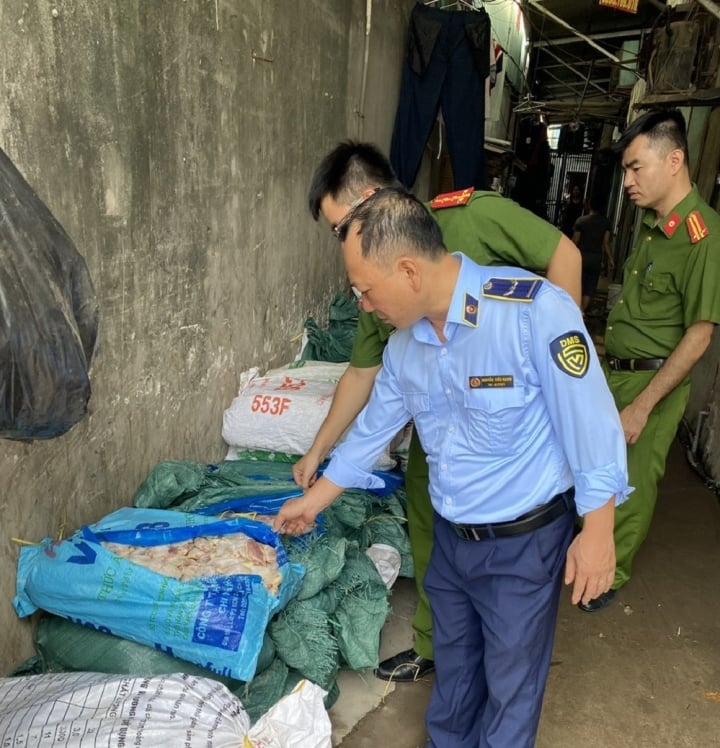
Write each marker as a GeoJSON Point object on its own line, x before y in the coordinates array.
{"type": "Point", "coordinates": [404, 667]}
{"type": "Point", "coordinates": [599, 602]}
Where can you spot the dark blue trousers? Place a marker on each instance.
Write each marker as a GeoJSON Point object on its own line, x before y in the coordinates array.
{"type": "Point", "coordinates": [494, 607]}
{"type": "Point", "coordinates": [447, 62]}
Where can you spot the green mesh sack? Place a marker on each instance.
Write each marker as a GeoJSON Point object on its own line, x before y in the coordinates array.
{"type": "Point", "coordinates": [323, 558]}
{"type": "Point", "coordinates": [349, 510]}
{"type": "Point", "coordinates": [395, 504]}
{"type": "Point", "coordinates": [325, 601]}
{"type": "Point", "coordinates": [264, 690]}
{"type": "Point", "coordinates": [169, 482]}
{"type": "Point", "coordinates": [34, 665]}
{"type": "Point", "coordinates": [188, 486]}
{"type": "Point", "coordinates": [260, 455]}
{"type": "Point", "coordinates": [304, 641]}
{"type": "Point", "coordinates": [231, 472]}
{"type": "Point", "coordinates": [65, 646]}
{"type": "Point", "coordinates": [335, 342]}
{"type": "Point", "coordinates": [386, 529]}
{"type": "Point", "coordinates": [361, 611]}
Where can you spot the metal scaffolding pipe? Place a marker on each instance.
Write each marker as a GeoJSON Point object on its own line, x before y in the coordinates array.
{"type": "Point", "coordinates": [711, 7]}
{"type": "Point", "coordinates": [535, 4]}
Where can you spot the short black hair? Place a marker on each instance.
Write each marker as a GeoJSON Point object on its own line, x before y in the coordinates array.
{"type": "Point", "coordinates": [349, 169]}
{"type": "Point", "coordinates": [597, 202]}
{"type": "Point", "coordinates": [657, 124]}
{"type": "Point", "coordinates": [393, 221]}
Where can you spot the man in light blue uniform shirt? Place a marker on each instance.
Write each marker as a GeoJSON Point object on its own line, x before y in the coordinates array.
{"type": "Point", "coordinates": [519, 428]}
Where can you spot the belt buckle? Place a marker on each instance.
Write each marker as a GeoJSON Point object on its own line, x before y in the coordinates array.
{"type": "Point", "coordinates": [467, 533]}
{"type": "Point", "coordinates": [614, 363]}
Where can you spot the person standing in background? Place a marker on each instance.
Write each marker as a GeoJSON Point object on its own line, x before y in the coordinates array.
{"type": "Point", "coordinates": [572, 210]}
{"type": "Point", "coordinates": [664, 318]}
{"type": "Point", "coordinates": [591, 235]}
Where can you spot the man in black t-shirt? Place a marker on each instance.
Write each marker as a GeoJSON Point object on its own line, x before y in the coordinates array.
{"type": "Point", "coordinates": [591, 234]}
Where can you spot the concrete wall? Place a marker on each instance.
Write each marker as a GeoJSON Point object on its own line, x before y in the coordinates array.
{"type": "Point", "coordinates": [174, 140]}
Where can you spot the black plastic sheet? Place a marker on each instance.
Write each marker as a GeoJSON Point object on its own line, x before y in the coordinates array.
{"type": "Point", "coordinates": [48, 317]}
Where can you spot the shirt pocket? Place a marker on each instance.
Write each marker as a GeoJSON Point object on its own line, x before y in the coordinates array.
{"type": "Point", "coordinates": [426, 425]}
{"type": "Point", "coordinates": [657, 294]}
{"type": "Point", "coordinates": [495, 417]}
{"type": "Point", "coordinates": [655, 283]}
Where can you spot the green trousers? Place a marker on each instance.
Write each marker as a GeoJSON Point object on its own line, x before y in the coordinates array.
{"type": "Point", "coordinates": [646, 463]}
{"type": "Point", "coordinates": [420, 529]}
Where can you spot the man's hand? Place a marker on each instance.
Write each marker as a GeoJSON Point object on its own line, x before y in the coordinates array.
{"type": "Point", "coordinates": [305, 470]}
{"type": "Point", "coordinates": [633, 418]}
{"type": "Point", "coordinates": [677, 366]}
{"type": "Point", "coordinates": [590, 565]}
{"type": "Point", "coordinates": [295, 517]}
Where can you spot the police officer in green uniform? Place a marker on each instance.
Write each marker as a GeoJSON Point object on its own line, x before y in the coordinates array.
{"type": "Point", "coordinates": [664, 318]}
{"type": "Point", "coordinates": [491, 230]}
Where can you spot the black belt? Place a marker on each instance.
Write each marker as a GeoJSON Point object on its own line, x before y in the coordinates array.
{"type": "Point", "coordinates": [634, 364]}
{"type": "Point", "coordinates": [533, 520]}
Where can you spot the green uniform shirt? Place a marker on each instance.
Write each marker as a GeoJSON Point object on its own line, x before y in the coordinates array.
{"type": "Point", "coordinates": [670, 281]}
{"type": "Point", "coordinates": [489, 229]}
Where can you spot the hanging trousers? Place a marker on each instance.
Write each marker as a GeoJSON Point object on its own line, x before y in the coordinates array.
{"type": "Point", "coordinates": [447, 62]}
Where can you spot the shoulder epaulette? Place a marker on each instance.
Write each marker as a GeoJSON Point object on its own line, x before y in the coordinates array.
{"type": "Point", "coordinates": [512, 289]}
{"type": "Point", "coordinates": [451, 199]}
{"type": "Point", "coordinates": [696, 227]}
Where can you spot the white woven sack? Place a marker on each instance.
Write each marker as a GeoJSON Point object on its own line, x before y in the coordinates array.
{"type": "Point", "coordinates": [282, 411]}
{"type": "Point", "coordinates": [95, 710]}
{"type": "Point", "coordinates": [278, 412]}
{"type": "Point", "coordinates": [316, 371]}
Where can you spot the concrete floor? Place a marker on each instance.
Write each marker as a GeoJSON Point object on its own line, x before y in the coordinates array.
{"type": "Point", "coordinates": [644, 672]}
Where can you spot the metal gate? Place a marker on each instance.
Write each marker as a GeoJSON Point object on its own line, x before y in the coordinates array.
{"type": "Point", "coordinates": [568, 169]}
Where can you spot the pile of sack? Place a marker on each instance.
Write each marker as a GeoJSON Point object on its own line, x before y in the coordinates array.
{"type": "Point", "coordinates": [191, 578]}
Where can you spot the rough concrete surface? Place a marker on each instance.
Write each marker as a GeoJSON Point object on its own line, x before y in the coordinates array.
{"type": "Point", "coordinates": [175, 142]}
{"type": "Point", "coordinates": [643, 673]}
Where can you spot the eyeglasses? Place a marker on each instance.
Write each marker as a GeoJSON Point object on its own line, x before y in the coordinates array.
{"type": "Point", "coordinates": [358, 294]}
{"type": "Point", "coordinates": [340, 229]}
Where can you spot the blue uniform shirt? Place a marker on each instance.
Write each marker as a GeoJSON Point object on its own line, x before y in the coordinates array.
{"type": "Point", "coordinates": [512, 409]}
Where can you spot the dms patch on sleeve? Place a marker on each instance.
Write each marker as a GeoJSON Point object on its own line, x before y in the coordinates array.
{"type": "Point", "coordinates": [570, 353]}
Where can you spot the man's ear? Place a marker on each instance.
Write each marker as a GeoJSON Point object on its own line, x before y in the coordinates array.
{"type": "Point", "coordinates": [410, 268]}
{"type": "Point", "coordinates": [677, 160]}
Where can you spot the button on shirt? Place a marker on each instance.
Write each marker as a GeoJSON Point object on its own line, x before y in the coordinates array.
{"type": "Point", "coordinates": [494, 452]}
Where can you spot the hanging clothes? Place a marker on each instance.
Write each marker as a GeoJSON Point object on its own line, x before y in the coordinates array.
{"type": "Point", "coordinates": [532, 150]}
{"type": "Point", "coordinates": [447, 62]}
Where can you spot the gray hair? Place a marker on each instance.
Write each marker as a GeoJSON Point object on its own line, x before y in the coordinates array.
{"type": "Point", "coordinates": [392, 222]}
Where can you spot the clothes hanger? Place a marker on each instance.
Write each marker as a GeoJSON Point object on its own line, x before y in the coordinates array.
{"type": "Point", "coordinates": [457, 4]}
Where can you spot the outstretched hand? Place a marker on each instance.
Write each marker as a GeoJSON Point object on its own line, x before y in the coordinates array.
{"type": "Point", "coordinates": [295, 517]}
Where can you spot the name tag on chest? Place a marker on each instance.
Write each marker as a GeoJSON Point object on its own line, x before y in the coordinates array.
{"type": "Point", "coordinates": [492, 381]}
